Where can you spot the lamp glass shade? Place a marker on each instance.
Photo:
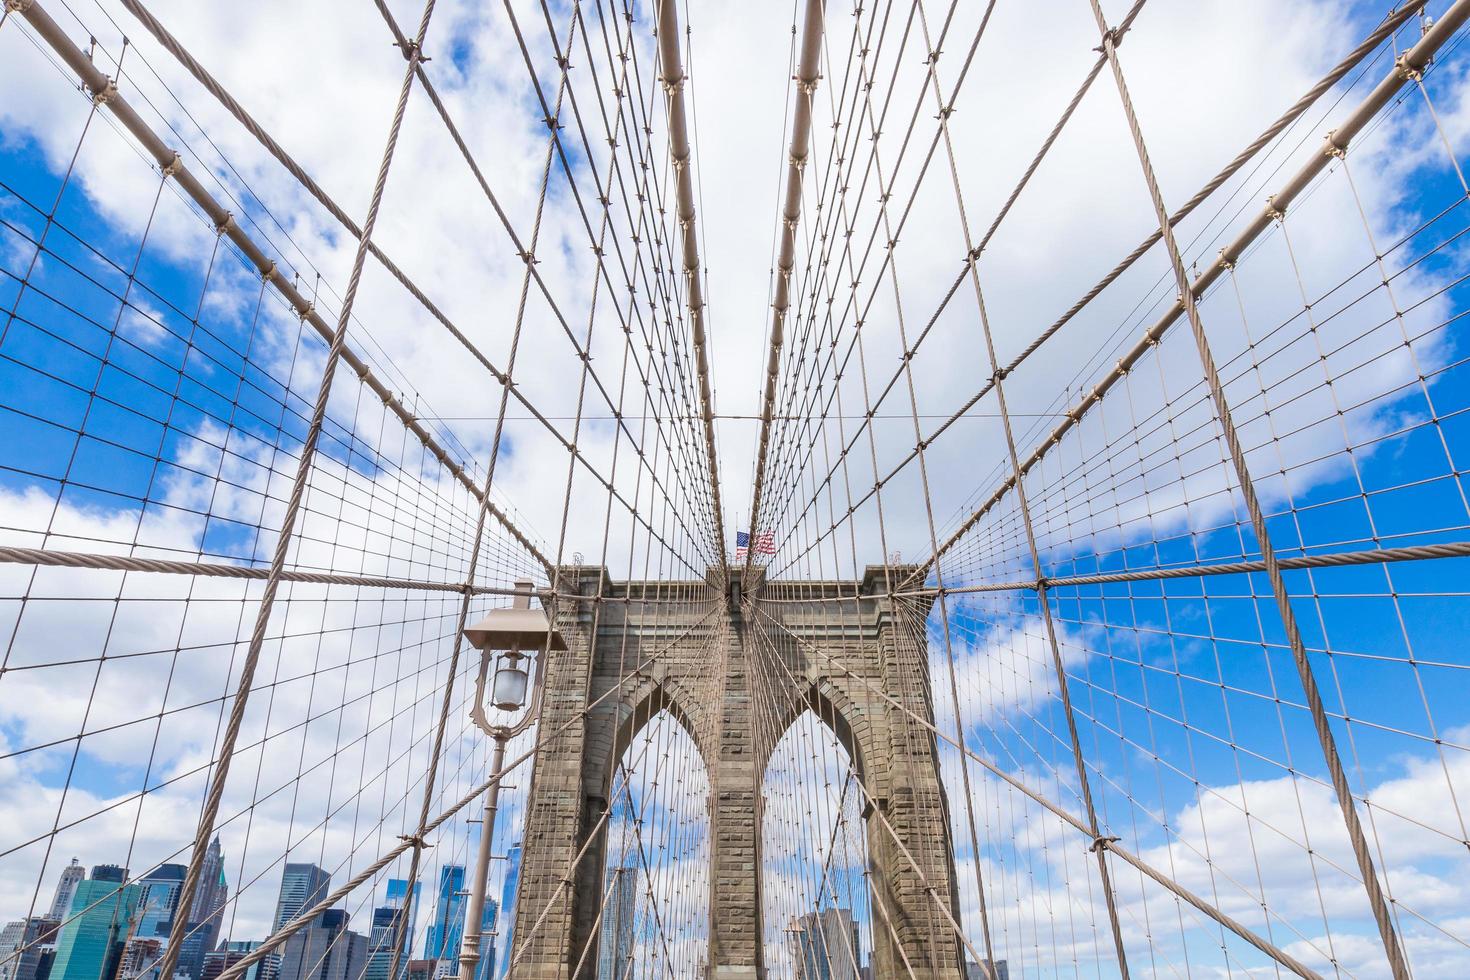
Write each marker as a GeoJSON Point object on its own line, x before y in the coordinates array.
{"type": "Point", "coordinates": [509, 691]}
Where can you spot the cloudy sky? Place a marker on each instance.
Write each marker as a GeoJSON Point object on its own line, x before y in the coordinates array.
{"type": "Point", "coordinates": [155, 395]}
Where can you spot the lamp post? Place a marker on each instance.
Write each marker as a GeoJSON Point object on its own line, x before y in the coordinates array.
{"type": "Point", "coordinates": [503, 639]}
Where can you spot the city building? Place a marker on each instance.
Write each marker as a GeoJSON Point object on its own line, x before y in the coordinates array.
{"type": "Point", "coordinates": [230, 953]}
{"type": "Point", "coordinates": [825, 945]}
{"type": "Point", "coordinates": [325, 950]}
{"type": "Point", "coordinates": [158, 901]}
{"type": "Point", "coordinates": [975, 971]}
{"type": "Point", "coordinates": [140, 959]}
{"type": "Point", "coordinates": [488, 920]}
{"type": "Point", "coordinates": [27, 948]}
{"type": "Point", "coordinates": [615, 942]}
{"type": "Point", "coordinates": [98, 925]}
{"type": "Point", "coordinates": [302, 886]}
{"type": "Point", "coordinates": [392, 930]}
{"type": "Point", "coordinates": [71, 875]}
{"type": "Point", "coordinates": [507, 912]}
{"type": "Point", "coordinates": [421, 969]}
{"type": "Point", "coordinates": [386, 940]}
{"type": "Point", "coordinates": [206, 914]}
{"type": "Point", "coordinates": [446, 929]}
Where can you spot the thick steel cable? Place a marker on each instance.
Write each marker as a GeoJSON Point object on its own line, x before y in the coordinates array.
{"type": "Point", "coordinates": [674, 77]}
{"type": "Point", "coordinates": [106, 92]}
{"type": "Point", "coordinates": [1410, 62]}
{"type": "Point", "coordinates": [288, 520]}
{"type": "Point", "coordinates": [176, 48]}
{"type": "Point", "coordinates": [1069, 819]}
{"type": "Point", "coordinates": [1370, 43]}
{"type": "Point", "coordinates": [306, 916]}
{"type": "Point", "coordinates": [551, 117]}
{"type": "Point", "coordinates": [806, 78]}
{"type": "Point", "coordinates": [1416, 59]}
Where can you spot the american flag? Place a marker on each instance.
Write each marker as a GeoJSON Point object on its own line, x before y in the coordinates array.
{"type": "Point", "coordinates": [765, 544]}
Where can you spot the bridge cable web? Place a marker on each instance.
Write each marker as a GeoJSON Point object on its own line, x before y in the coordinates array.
{"type": "Point", "coordinates": [1160, 724]}
{"type": "Point", "coordinates": [439, 701]}
{"type": "Point", "coordinates": [983, 550]}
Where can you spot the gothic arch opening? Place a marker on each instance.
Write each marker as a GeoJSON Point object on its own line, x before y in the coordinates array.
{"type": "Point", "coordinates": [815, 899]}
{"type": "Point", "coordinates": [651, 913]}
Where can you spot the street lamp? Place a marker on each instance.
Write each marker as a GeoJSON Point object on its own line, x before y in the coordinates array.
{"type": "Point", "coordinates": [503, 638]}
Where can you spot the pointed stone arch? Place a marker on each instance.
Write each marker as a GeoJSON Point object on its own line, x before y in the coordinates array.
{"type": "Point", "coordinates": [653, 640]}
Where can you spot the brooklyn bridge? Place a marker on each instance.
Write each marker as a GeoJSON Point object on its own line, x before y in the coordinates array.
{"type": "Point", "coordinates": [833, 490]}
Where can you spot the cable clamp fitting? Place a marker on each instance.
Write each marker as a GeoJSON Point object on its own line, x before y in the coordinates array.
{"type": "Point", "coordinates": [1275, 213]}
{"type": "Point", "coordinates": [106, 94]}
{"type": "Point", "coordinates": [415, 841]}
{"type": "Point", "coordinates": [1100, 843]}
{"type": "Point", "coordinates": [173, 166]}
{"type": "Point", "coordinates": [18, 6]}
{"type": "Point", "coordinates": [1333, 148]}
{"type": "Point", "coordinates": [411, 51]}
{"type": "Point", "coordinates": [223, 225]}
{"type": "Point", "coordinates": [1406, 70]}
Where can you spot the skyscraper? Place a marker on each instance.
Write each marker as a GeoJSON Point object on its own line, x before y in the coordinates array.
{"type": "Point", "coordinates": [99, 923]}
{"type": "Point", "coordinates": [486, 969]}
{"type": "Point", "coordinates": [206, 914]}
{"type": "Point", "coordinates": [302, 886]}
{"type": "Point", "coordinates": [446, 929]}
{"type": "Point", "coordinates": [507, 911]}
{"type": "Point", "coordinates": [325, 950]}
{"type": "Point", "coordinates": [615, 945]}
{"type": "Point", "coordinates": [392, 930]}
{"type": "Point", "coordinates": [230, 953]}
{"type": "Point", "coordinates": [26, 948]}
{"type": "Point", "coordinates": [71, 875]}
{"type": "Point", "coordinates": [826, 945]}
{"type": "Point", "coordinates": [158, 900]}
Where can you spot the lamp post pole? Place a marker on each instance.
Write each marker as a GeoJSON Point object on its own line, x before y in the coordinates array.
{"type": "Point", "coordinates": [511, 630]}
{"type": "Point", "coordinates": [470, 952]}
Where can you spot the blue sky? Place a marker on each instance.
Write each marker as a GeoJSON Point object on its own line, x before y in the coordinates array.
{"type": "Point", "coordinates": [188, 429]}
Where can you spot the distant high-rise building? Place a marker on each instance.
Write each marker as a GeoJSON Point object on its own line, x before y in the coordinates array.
{"type": "Point", "coordinates": [230, 953]}
{"type": "Point", "coordinates": [421, 969]}
{"type": "Point", "coordinates": [140, 959]}
{"type": "Point", "coordinates": [109, 872]}
{"type": "Point", "coordinates": [71, 875]}
{"type": "Point", "coordinates": [392, 930]}
{"type": "Point", "coordinates": [825, 945]}
{"type": "Point", "coordinates": [974, 971]}
{"type": "Point", "coordinates": [488, 923]}
{"type": "Point", "coordinates": [100, 921]}
{"type": "Point", "coordinates": [212, 892]}
{"type": "Point", "coordinates": [615, 943]}
{"type": "Point", "coordinates": [398, 893]}
{"type": "Point", "coordinates": [446, 929]}
{"type": "Point", "coordinates": [302, 886]}
{"type": "Point", "coordinates": [325, 950]}
{"type": "Point", "coordinates": [26, 948]}
{"type": "Point", "coordinates": [206, 914]}
{"type": "Point", "coordinates": [507, 909]}
{"type": "Point", "coordinates": [158, 901]}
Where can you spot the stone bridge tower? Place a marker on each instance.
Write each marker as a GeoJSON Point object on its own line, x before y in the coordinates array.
{"type": "Point", "coordinates": [736, 669]}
